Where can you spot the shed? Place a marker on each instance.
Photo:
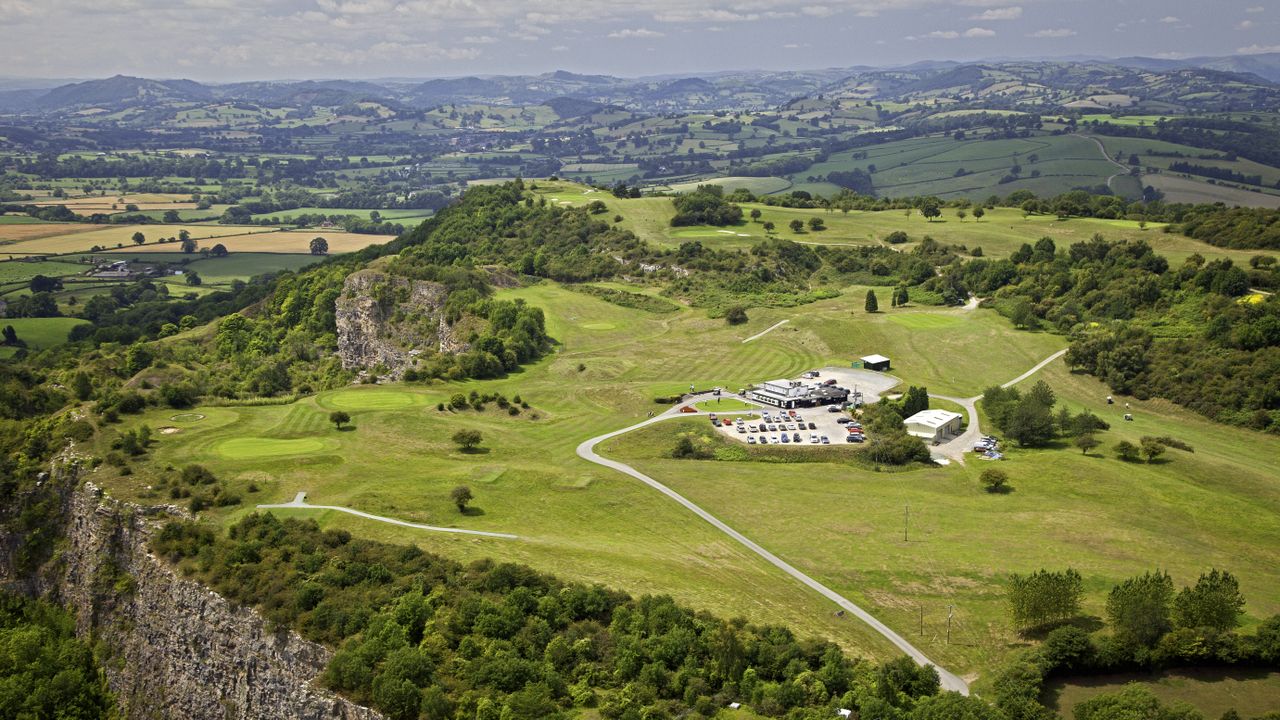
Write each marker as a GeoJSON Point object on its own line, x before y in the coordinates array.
{"type": "Point", "coordinates": [933, 425]}
{"type": "Point", "coordinates": [879, 363]}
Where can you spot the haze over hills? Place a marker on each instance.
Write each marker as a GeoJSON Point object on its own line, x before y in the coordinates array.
{"type": "Point", "coordinates": [1252, 79]}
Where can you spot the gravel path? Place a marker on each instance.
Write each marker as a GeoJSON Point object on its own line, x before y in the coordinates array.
{"type": "Point", "coordinates": [300, 501]}
{"type": "Point", "coordinates": [766, 331]}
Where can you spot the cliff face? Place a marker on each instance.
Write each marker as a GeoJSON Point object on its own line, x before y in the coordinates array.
{"type": "Point", "coordinates": [391, 321]}
{"type": "Point", "coordinates": [175, 648]}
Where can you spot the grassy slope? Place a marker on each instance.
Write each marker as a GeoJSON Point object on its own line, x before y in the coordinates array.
{"type": "Point", "coordinates": [842, 524]}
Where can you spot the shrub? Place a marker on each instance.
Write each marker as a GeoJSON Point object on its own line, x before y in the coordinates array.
{"type": "Point", "coordinates": [995, 480]}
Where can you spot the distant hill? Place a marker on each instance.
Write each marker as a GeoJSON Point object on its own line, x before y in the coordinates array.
{"type": "Point", "coordinates": [1264, 65]}
{"type": "Point", "coordinates": [120, 90]}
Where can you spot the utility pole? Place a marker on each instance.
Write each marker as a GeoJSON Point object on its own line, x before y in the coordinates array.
{"type": "Point", "coordinates": [906, 521]}
{"type": "Point", "coordinates": [951, 610]}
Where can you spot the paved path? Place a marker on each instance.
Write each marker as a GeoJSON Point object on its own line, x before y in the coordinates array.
{"type": "Point", "coordinates": [300, 501]}
{"type": "Point", "coordinates": [955, 448]}
{"type": "Point", "coordinates": [587, 451]}
{"type": "Point", "coordinates": [766, 331]}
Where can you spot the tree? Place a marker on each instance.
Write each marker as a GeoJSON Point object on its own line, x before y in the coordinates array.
{"type": "Point", "coordinates": [961, 214]}
{"type": "Point", "coordinates": [139, 238]}
{"type": "Point", "coordinates": [193, 278]}
{"type": "Point", "coordinates": [994, 480]}
{"type": "Point", "coordinates": [184, 235]}
{"type": "Point", "coordinates": [467, 440]}
{"type": "Point", "coordinates": [10, 335]}
{"type": "Point", "coordinates": [769, 226]}
{"type": "Point", "coordinates": [1151, 448]}
{"type": "Point", "coordinates": [1086, 442]}
{"type": "Point", "coordinates": [461, 496]}
{"type": "Point", "coordinates": [1044, 596]}
{"type": "Point", "coordinates": [1214, 602]}
{"type": "Point", "coordinates": [755, 214]}
{"type": "Point", "coordinates": [872, 305]}
{"type": "Point", "coordinates": [1022, 314]}
{"type": "Point", "coordinates": [45, 284]}
{"type": "Point", "coordinates": [218, 250]}
{"type": "Point", "coordinates": [1133, 701]}
{"type": "Point", "coordinates": [930, 210]}
{"type": "Point", "coordinates": [189, 244]}
{"type": "Point", "coordinates": [319, 246]}
{"type": "Point", "coordinates": [171, 216]}
{"type": "Point", "coordinates": [736, 315]}
{"type": "Point", "coordinates": [1138, 608]}
{"type": "Point", "coordinates": [796, 225]}
{"type": "Point", "coordinates": [1126, 451]}
{"type": "Point", "coordinates": [1030, 423]}
{"type": "Point", "coordinates": [339, 418]}
{"type": "Point", "coordinates": [816, 224]}
{"type": "Point", "coordinates": [81, 385]}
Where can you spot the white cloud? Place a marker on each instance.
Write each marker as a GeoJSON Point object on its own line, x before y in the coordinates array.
{"type": "Point", "coordinates": [1054, 33]}
{"type": "Point", "coordinates": [479, 40]}
{"type": "Point", "coordinates": [1258, 49]}
{"type": "Point", "coordinates": [818, 10]}
{"type": "Point", "coordinates": [976, 32]}
{"type": "Point", "coordinates": [636, 33]}
{"type": "Point", "coordinates": [943, 35]}
{"type": "Point", "coordinates": [681, 15]}
{"type": "Point", "coordinates": [560, 48]}
{"type": "Point", "coordinates": [1245, 25]}
{"type": "Point", "coordinates": [796, 46]}
{"type": "Point", "coordinates": [1170, 19]}
{"type": "Point", "coordinates": [1009, 13]}
{"type": "Point", "coordinates": [1255, 9]}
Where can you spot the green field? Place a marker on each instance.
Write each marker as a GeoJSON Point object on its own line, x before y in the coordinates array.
{"type": "Point", "coordinates": [1217, 507]}
{"type": "Point", "coordinates": [1213, 692]}
{"type": "Point", "coordinates": [41, 333]}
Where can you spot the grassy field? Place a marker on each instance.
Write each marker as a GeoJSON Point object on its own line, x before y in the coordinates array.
{"type": "Point", "coordinates": [41, 333]}
{"type": "Point", "coordinates": [1213, 692]}
{"type": "Point", "coordinates": [1001, 232]}
{"type": "Point", "coordinates": [275, 241]}
{"type": "Point", "coordinates": [18, 271]}
{"type": "Point", "coordinates": [842, 523]}
{"type": "Point", "coordinates": [242, 266]}
{"type": "Point", "coordinates": [81, 238]}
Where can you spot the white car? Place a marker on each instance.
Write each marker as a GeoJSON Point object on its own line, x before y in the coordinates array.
{"type": "Point", "coordinates": [741, 429]}
{"type": "Point", "coordinates": [813, 439]}
{"type": "Point", "coordinates": [751, 439]}
{"type": "Point", "coordinates": [751, 427]}
{"type": "Point", "coordinates": [773, 438]}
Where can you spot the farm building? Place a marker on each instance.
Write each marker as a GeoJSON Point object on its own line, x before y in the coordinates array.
{"type": "Point", "coordinates": [879, 363]}
{"type": "Point", "coordinates": [794, 394]}
{"type": "Point", "coordinates": [933, 424]}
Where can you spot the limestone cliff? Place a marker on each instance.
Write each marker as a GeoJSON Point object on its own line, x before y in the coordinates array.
{"type": "Point", "coordinates": [391, 321]}
{"type": "Point", "coordinates": [175, 649]}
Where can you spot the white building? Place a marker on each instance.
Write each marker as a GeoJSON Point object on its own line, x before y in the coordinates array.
{"type": "Point", "coordinates": [933, 424]}
{"type": "Point", "coordinates": [795, 394]}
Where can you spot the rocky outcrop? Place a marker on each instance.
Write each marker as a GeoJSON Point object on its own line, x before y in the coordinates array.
{"type": "Point", "coordinates": [174, 648]}
{"type": "Point", "coordinates": [391, 322]}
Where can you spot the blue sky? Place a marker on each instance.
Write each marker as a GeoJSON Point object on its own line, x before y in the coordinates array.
{"type": "Point", "coordinates": [222, 40]}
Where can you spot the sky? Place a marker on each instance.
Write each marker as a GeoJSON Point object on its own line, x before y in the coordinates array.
{"type": "Point", "coordinates": [228, 40]}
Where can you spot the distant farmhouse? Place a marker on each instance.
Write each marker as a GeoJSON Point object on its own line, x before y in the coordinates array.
{"type": "Point", "coordinates": [879, 363]}
{"type": "Point", "coordinates": [794, 394]}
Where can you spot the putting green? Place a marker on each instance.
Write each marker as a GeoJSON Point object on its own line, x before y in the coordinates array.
{"type": "Point", "coordinates": [250, 448]}
{"type": "Point", "coordinates": [187, 417]}
{"type": "Point", "coordinates": [370, 400]}
{"type": "Point", "coordinates": [924, 321]}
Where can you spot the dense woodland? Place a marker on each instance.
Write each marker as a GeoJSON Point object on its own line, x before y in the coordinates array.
{"type": "Point", "coordinates": [420, 635]}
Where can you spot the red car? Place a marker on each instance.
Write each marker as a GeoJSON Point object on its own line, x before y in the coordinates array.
{"type": "Point", "coordinates": [726, 422]}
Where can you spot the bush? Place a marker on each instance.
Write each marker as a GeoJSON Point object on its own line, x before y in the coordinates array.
{"type": "Point", "coordinates": [995, 480]}
{"type": "Point", "coordinates": [736, 315]}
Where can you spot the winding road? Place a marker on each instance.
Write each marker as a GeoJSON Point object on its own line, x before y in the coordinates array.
{"type": "Point", "coordinates": [1103, 148]}
{"type": "Point", "coordinates": [586, 451]}
{"type": "Point", "coordinates": [300, 501]}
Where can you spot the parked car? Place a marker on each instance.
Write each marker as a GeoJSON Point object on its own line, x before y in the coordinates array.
{"type": "Point", "coordinates": [844, 420]}
{"type": "Point", "coordinates": [813, 426]}
{"type": "Point", "coordinates": [813, 438]}
{"type": "Point", "coordinates": [741, 429]}
{"type": "Point", "coordinates": [833, 408]}
{"type": "Point", "coordinates": [832, 381]}
{"type": "Point", "coordinates": [752, 427]}
{"type": "Point", "coordinates": [785, 439]}
{"type": "Point", "coordinates": [751, 439]}
{"type": "Point", "coordinates": [773, 439]}
{"type": "Point", "coordinates": [826, 440]}
{"type": "Point", "coordinates": [764, 440]}
{"type": "Point", "coordinates": [795, 437]}
{"type": "Point", "coordinates": [854, 438]}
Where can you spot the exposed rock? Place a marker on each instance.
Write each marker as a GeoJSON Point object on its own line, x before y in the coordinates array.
{"type": "Point", "coordinates": [175, 649]}
{"type": "Point", "coordinates": [391, 321]}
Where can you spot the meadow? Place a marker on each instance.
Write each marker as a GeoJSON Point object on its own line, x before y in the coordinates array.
{"type": "Point", "coordinates": [41, 333]}
{"type": "Point", "coordinates": [999, 233]}
{"type": "Point", "coordinates": [1213, 692]}
{"type": "Point", "coordinates": [69, 238]}
{"type": "Point", "coordinates": [840, 523]}
{"type": "Point", "coordinates": [270, 240]}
